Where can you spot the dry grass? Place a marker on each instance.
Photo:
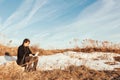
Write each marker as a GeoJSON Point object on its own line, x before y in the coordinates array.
{"type": "Point", "coordinates": [117, 58]}
{"type": "Point", "coordinates": [111, 63]}
{"type": "Point", "coordinates": [14, 72]}
{"type": "Point", "coordinates": [5, 49]}
{"type": "Point", "coordinates": [88, 45]}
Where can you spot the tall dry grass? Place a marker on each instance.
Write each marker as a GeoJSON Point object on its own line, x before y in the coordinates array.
{"type": "Point", "coordinates": [6, 49]}
{"type": "Point", "coordinates": [88, 45]}
{"type": "Point", "coordinates": [13, 72]}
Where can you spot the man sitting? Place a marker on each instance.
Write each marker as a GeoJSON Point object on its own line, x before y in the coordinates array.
{"type": "Point", "coordinates": [25, 58]}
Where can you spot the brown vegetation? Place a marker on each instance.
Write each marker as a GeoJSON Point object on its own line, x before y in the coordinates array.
{"type": "Point", "coordinates": [13, 72]}
{"type": "Point", "coordinates": [5, 49]}
{"type": "Point", "coordinates": [88, 46]}
{"type": "Point", "coordinates": [117, 58]}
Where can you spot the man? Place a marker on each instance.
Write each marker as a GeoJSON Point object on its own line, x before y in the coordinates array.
{"type": "Point", "coordinates": [25, 58]}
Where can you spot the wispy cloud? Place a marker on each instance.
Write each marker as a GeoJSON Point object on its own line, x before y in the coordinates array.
{"type": "Point", "coordinates": [22, 17]}
{"type": "Point", "coordinates": [102, 19]}
{"type": "Point", "coordinates": [97, 21]}
{"type": "Point", "coordinates": [18, 15]}
{"type": "Point", "coordinates": [56, 25]}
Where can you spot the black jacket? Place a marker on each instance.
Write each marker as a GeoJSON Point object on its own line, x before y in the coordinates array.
{"type": "Point", "coordinates": [22, 53]}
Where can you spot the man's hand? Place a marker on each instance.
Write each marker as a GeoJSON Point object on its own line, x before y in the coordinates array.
{"type": "Point", "coordinates": [36, 54]}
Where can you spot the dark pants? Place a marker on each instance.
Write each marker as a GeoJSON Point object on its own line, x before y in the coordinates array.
{"type": "Point", "coordinates": [31, 63]}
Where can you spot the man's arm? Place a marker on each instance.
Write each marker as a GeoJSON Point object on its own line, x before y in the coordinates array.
{"type": "Point", "coordinates": [20, 52]}
{"type": "Point", "coordinates": [30, 52]}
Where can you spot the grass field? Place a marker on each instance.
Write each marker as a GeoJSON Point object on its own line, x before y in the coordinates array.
{"type": "Point", "coordinates": [93, 50]}
{"type": "Point", "coordinates": [14, 72]}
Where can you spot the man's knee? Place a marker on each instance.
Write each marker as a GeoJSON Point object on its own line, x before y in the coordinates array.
{"type": "Point", "coordinates": [27, 59]}
{"type": "Point", "coordinates": [35, 58]}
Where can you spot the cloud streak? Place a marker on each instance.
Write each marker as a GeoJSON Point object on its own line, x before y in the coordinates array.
{"type": "Point", "coordinates": [98, 24]}
{"type": "Point", "coordinates": [23, 15]}
{"type": "Point", "coordinates": [55, 24]}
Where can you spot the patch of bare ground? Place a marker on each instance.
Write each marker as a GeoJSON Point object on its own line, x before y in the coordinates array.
{"type": "Point", "coordinates": [111, 63]}
{"type": "Point", "coordinates": [117, 58]}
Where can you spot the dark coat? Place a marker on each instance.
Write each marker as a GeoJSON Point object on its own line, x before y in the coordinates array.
{"type": "Point", "coordinates": [22, 53]}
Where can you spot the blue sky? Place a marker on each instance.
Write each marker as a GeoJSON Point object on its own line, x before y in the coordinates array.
{"type": "Point", "coordinates": [54, 23]}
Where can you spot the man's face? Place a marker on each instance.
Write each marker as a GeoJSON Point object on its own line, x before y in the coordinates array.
{"type": "Point", "coordinates": [26, 44]}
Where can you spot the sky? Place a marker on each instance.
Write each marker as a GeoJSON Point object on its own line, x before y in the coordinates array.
{"type": "Point", "coordinates": [54, 23]}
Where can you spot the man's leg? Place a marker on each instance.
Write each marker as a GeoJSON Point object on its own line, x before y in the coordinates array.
{"type": "Point", "coordinates": [28, 63]}
{"type": "Point", "coordinates": [35, 59]}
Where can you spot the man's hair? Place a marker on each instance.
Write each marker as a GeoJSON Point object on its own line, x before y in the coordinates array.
{"type": "Point", "coordinates": [26, 40]}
